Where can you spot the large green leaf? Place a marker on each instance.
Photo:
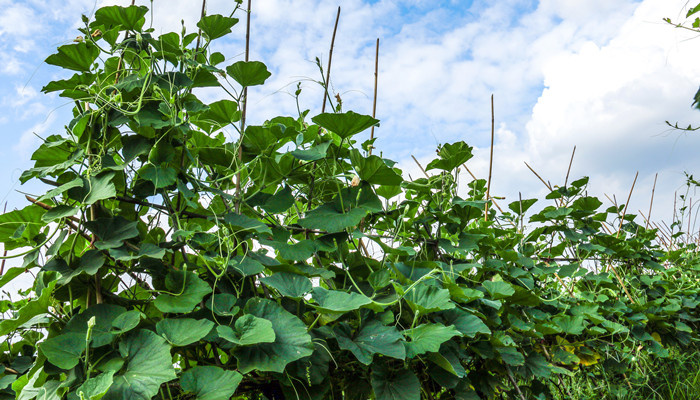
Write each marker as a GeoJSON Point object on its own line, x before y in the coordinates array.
{"type": "Point", "coordinates": [451, 156]}
{"type": "Point", "coordinates": [95, 387]}
{"type": "Point", "coordinates": [64, 351]}
{"type": "Point", "coordinates": [292, 342]}
{"type": "Point", "coordinates": [428, 338]}
{"type": "Point", "coordinates": [210, 383]}
{"type": "Point", "coordinates": [244, 223]}
{"type": "Point", "coordinates": [127, 18]}
{"type": "Point", "coordinates": [374, 170]}
{"type": "Point", "coordinates": [248, 73]}
{"type": "Point", "coordinates": [94, 189]}
{"type": "Point", "coordinates": [160, 176]}
{"type": "Point", "coordinates": [426, 298]}
{"type": "Point", "coordinates": [498, 289]}
{"type": "Point", "coordinates": [186, 291]}
{"type": "Point", "coordinates": [371, 339]}
{"type": "Point", "coordinates": [328, 218]}
{"type": "Point", "coordinates": [104, 315]}
{"type": "Point", "coordinates": [33, 308]}
{"type": "Point", "coordinates": [394, 384]}
{"type": "Point", "coordinates": [76, 56]}
{"type": "Point", "coordinates": [112, 232]}
{"type": "Point", "coordinates": [338, 301]}
{"type": "Point", "coordinates": [288, 284]}
{"type": "Point", "coordinates": [219, 114]}
{"type": "Point", "coordinates": [345, 124]}
{"type": "Point", "coordinates": [468, 324]}
{"type": "Point", "coordinates": [249, 329]}
{"type": "Point", "coordinates": [148, 365]}
{"type": "Point", "coordinates": [215, 26]}
{"type": "Point", "coordinates": [314, 153]}
{"type": "Point", "coordinates": [17, 226]}
{"type": "Point", "coordinates": [183, 331]}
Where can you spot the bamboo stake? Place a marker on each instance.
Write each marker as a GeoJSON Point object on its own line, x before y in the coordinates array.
{"type": "Point", "coordinates": [624, 211]}
{"type": "Point", "coordinates": [237, 206]}
{"type": "Point", "coordinates": [539, 177]}
{"type": "Point", "coordinates": [374, 102]}
{"type": "Point", "coordinates": [199, 31]}
{"type": "Point", "coordinates": [566, 181]}
{"type": "Point", "coordinates": [421, 167]}
{"type": "Point", "coordinates": [4, 253]}
{"type": "Point", "coordinates": [488, 184]}
{"type": "Point", "coordinates": [330, 58]}
{"type": "Point", "coordinates": [515, 384]}
{"type": "Point", "coordinates": [651, 203]}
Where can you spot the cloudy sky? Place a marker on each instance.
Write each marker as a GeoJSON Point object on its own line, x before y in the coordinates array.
{"type": "Point", "coordinates": [600, 75]}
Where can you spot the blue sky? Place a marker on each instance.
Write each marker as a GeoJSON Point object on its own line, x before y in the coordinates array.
{"type": "Point", "coordinates": [600, 75]}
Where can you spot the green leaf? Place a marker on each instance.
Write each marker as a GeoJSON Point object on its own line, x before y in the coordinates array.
{"type": "Point", "coordinates": [314, 153]}
{"type": "Point", "coordinates": [183, 331]}
{"type": "Point", "coordinates": [218, 115]}
{"type": "Point", "coordinates": [148, 365]}
{"type": "Point", "coordinates": [210, 383]}
{"type": "Point", "coordinates": [249, 330]}
{"type": "Point", "coordinates": [33, 308]}
{"type": "Point", "coordinates": [27, 222]}
{"type": "Point", "coordinates": [10, 274]}
{"type": "Point", "coordinates": [126, 321]}
{"type": "Point", "coordinates": [248, 73]}
{"type": "Point", "coordinates": [374, 170]}
{"type": "Point", "coordinates": [498, 289]}
{"type": "Point", "coordinates": [428, 298]}
{"type": "Point", "coordinates": [77, 56]}
{"type": "Point", "coordinates": [187, 291]}
{"type": "Point", "coordinates": [94, 189]}
{"type": "Point", "coordinates": [327, 218]}
{"type": "Point", "coordinates": [389, 384]}
{"type": "Point", "coordinates": [216, 26]}
{"type": "Point", "coordinates": [338, 301]}
{"type": "Point", "coordinates": [276, 203]}
{"type": "Point", "coordinates": [345, 124]}
{"type": "Point", "coordinates": [292, 342]}
{"type": "Point", "coordinates": [71, 83]}
{"type": "Point", "coordinates": [95, 387]}
{"type": "Point", "coordinates": [520, 207]}
{"type": "Point", "coordinates": [288, 284]}
{"type": "Point", "coordinates": [468, 324]}
{"type": "Point", "coordinates": [64, 351]}
{"type": "Point", "coordinates": [511, 356]}
{"type": "Point", "coordinates": [371, 339]}
{"type": "Point", "coordinates": [452, 155]}
{"type": "Point", "coordinates": [102, 333]}
{"type": "Point", "coordinates": [428, 338]}
{"type": "Point", "coordinates": [223, 304]}
{"type": "Point", "coordinates": [59, 212]}
{"type": "Point", "coordinates": [160, 176]}
{"type": "Point", "coordinates": [244, 223]}
{"type": "Point", "coordinates": [126, 18]}
{"type": "Point", "coordinates": [569, 324]}
{"type": "Point", "coordinates": [112, 232]}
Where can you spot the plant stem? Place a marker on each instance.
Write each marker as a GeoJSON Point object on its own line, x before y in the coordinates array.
{"type": "Point", "coordinates": [330, 58]}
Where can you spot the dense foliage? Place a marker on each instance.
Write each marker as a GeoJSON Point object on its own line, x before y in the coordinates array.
{"type": "Point", "coordinates": [175, 260]}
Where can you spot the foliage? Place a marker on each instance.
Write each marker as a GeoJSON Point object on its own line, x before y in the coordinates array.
{"type": "Point", "coordinates": [288, 262]}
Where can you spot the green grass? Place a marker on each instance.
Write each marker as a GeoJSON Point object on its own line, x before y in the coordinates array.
{"type": "Point", "coordinates": [676, 378]}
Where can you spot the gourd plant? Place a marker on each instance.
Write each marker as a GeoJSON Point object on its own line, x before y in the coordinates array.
{"type": "Point", "coordinates": [180, 254]}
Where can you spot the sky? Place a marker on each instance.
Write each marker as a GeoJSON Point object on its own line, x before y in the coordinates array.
{"type": "Point", "coordinates": [600, 75]}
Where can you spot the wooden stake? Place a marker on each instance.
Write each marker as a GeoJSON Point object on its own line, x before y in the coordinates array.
{"type": "Point", "coordinates": [651, 203]}
{"type": "Point", "coordinates": [374, 102]}
{"type": "Point", "coordinates": [539, 177]}
{"type": "Point", "coordinates": [330, 58]}
{"type": "Point", "coordinates": [421, 167]}
{"type": "Point", "coordinates": [237, 206]}
{"type": "Point", "coordinates": [566, 181]}
{"type": "Point", "coordinates": [488, 184]}
{"type": "Point", "coordinates": [624, 211]}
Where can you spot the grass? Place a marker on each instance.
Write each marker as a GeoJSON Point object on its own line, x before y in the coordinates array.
{"type": "Point", "coordinates": [676, 378]}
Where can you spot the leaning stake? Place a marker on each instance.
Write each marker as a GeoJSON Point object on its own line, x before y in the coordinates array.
{"type": "Point", "coordinates": [488, 185]}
